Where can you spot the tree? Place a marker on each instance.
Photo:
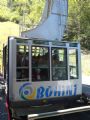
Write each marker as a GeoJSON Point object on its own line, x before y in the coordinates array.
{"type": "Point", "coordinates": [79, 22]}
{"type": "Point", "coordinates": [28, 11]}
{"type": "Point", "coordinates": [4, 11]}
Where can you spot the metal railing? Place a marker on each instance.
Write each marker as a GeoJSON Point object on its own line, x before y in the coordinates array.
{"type": "Point", "coordinates": [59, 112]}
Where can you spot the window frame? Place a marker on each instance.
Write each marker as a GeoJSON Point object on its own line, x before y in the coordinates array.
{"type": "Point", "coordinates": [65, 50]}
{"type": "Point", "coordinates": [48, 48]}
{"type": "Point", "coordinates": [22, 68]}
{"type": "Point", "coordinates": [77, 63]}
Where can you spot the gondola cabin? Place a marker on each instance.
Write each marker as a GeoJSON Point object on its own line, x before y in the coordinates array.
{"type": "Point", "coordinates": [42, 71]}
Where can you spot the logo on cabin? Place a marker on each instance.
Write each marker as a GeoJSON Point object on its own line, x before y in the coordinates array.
{"type": "Point", "coordinates": [26, 91]}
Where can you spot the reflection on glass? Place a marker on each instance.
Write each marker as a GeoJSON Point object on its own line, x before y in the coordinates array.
{"type": "Point", "coordinates": [22, 59]}
{"type": "Point", "coordinates": [40, 64]}
{"type": "Point", "coordinates": [59, 64]}
{"type": "Point", "coordinates": [73, 63]}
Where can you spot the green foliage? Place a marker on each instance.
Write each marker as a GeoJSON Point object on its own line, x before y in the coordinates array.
{"type": "Point", "coordinates": [79, 22]}
{"type": "Point", "coordinates": [22, 11]}
{"type": "Point", "coordinates": [28, 13]}
{"type": "Point", "coordinates": [15, 17]}
{"type": "Point", "coordinates": [4, 11]}
{"type": "Point", "coordinates": [36, 11]}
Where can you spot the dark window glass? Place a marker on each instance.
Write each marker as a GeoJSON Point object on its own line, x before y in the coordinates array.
{"type": "Point", "coordinates": [40, 64]}
{"type": "Point", "coordinates": [5, 61]}
{"type": "Point", "coordinates": [59, 64]}
{"type": "Point", "coordinates": [22, 63]}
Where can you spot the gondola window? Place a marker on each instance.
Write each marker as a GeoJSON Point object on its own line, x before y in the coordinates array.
{"type": "Point", "coordinates": [40, 64]}
{"type": "Point", "coordinates": [59, 64]}
{"type": "Point", "coordinates": [22, 58]}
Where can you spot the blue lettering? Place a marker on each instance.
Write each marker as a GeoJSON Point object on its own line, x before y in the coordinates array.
{"type": "Point", "coordinates": [67, 92]}
{"type": "Point", "coordinates": [70, 92]}
{"type": "Point", "coordinates": [48, 92]}
{"type": "Point", "coordinates": [63, 93]}
{"type": "Point", "coordinates": [40, 92]}
{"type": "Point", "coordinates": [57, 93]}
{"type": "Point", "coordinates": [75, 89]}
